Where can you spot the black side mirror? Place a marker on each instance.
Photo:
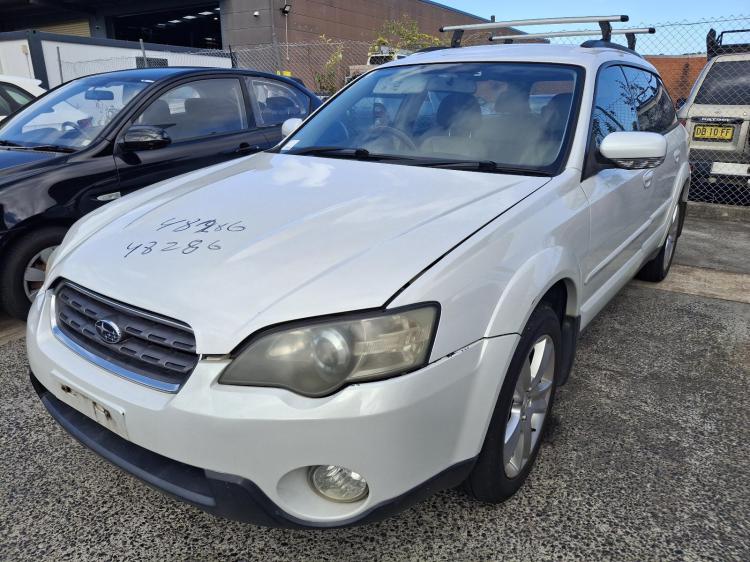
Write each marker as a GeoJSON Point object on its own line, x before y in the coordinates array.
{"type": "Point", "coordinates": [145, 137]}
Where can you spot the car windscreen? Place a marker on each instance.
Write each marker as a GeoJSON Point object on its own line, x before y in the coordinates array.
{"type": "Point", "coordinates": [73, 115]}
{"type": "Point", "coordinates": [514, 115]}
{"type": "Point", "coordinates": [727, 83]}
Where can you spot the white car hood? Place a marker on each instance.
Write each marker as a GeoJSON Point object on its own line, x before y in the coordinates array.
{"type": "Point", "coordinates": [321, 236]}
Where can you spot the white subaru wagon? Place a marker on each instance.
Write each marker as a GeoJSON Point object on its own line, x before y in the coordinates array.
{"type": "Point", "coordinates": [380, 307]}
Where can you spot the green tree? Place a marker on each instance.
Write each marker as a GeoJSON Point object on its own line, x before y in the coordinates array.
{"type": "Point", "coordinates": [404, 33]}
{"type": "Point", "coordinates": [327, 78]}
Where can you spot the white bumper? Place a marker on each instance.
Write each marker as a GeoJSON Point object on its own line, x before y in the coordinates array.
{"type": "Point", "coordinates": [397, 433]}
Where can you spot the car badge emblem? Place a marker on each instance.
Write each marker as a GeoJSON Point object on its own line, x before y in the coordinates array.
{"type": "Point", "coordinates": [108, 331]}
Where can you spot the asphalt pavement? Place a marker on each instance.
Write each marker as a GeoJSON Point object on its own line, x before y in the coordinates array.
{"type": "Point", "coordinates": [647, 457]}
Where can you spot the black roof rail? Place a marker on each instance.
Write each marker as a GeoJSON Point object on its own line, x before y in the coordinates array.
{"type": "Point", "coordinates": [715, 45]}
{"type": "Point", "coordinates": [599, 44]}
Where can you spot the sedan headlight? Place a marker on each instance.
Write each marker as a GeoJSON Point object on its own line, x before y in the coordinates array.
{"type": "Point", "coordinates": [317, 358]}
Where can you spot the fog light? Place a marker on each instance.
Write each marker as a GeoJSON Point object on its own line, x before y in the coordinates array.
{"type": "Point", "coordinates": [338, 484]}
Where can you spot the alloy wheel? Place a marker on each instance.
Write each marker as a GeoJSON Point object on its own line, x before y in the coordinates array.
{"type": "Point", "coordinates": [35, 272]}
{"type": "Point", "coordinates": [671, 242]}
{"type": "Point", "coordinates": [529, 407]}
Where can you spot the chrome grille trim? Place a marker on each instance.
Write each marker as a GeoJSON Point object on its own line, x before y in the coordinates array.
{"type": "Point", "coordinates": [68, 334]}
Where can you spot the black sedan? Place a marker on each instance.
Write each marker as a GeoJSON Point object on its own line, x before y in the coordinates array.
{"type": "Point", "coordinates": [97, 138]}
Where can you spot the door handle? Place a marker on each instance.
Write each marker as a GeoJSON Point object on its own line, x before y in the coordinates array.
{"type": "Point", "coordinates": [676, 155]}
{"type": "Point", "coordinates": [647, 178]}
{"type": "Point", "coordinates": [246, 148]}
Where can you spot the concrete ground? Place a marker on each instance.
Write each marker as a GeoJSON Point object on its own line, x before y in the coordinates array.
{"type": "Point", "coordinates": [647, 458]}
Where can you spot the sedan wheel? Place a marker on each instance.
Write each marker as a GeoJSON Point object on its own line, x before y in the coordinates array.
{"type": "Point", "coordinates": [521, 413]}
{"type": "Point", "coordinates": [35, 272]}
{"type": "Point", "coordinates": [529, 407]}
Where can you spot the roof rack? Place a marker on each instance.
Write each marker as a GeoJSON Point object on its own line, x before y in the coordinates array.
{"type": "Point", "coordinates": [629, 34]}
{"type": "Point", "coordinates": [603, 21]}
{"type": "Point", "coordinates": [715, 46]}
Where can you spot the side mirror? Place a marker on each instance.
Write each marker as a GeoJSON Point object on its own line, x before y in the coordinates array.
{"type": "Point", "coordinates": [289, 126]}
{"type": "Point", "coordinates": [634, 150]}
{"type": "Point", "coordinates": [145, 137]}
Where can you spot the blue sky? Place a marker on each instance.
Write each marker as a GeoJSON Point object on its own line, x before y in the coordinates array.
{"type": "Point", "coordinates": [668, 40]}
{"type": "Point", "coordinates": [640, 11]}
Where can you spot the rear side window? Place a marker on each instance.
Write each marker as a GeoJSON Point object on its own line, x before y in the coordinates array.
{"type": "Point", "coordinates": [727, 83]}
{"type": "Point", "coordinates": [277, 101]}
{"type": "Point", "coordinates": [12, 98]}
{"type": "Point", "coordinates": [654, 108]}
{"type": "Point", "coordinates": [17, 95]}
{"type": "Point", "coordinates": [613, 109]}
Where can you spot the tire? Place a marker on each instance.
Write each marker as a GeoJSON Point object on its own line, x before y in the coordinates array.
{"type": "Point", "coordinates": [33, 250]}
{"type": "Point", "coordinates": [495, 476]}
{"type": "Point", "coordinates": [656, 269]}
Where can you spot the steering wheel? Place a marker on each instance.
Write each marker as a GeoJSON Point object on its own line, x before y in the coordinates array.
{"type": "Point", "coordinates": [76, 127]}
{"type": "Point", "coordinates": [386, 130]}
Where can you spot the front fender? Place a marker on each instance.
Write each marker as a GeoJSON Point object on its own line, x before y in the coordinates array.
{"type": "Point", "coordinates": [489, 285]}
{"type": "Point", "coordinates": [528, 285]}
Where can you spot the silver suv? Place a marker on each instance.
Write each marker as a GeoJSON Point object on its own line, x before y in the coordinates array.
{"type": "Point", "coordinates": [717, 118]}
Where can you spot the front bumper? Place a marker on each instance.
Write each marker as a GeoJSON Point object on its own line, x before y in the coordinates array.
{"type": "Point", "coordinates": [243, 452]}
{"type": "Point", "coordinates": [223, 495]}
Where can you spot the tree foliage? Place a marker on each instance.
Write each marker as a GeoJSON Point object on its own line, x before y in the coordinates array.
{"type": "Point", "coordinates": [404, 33]}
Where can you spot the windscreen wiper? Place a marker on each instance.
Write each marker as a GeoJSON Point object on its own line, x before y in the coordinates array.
{"type": "Point", "coordinates": [51, 148]}
{"type": "Point", "coordinates": [482, 166]}
{"type": "Point", "coordinates": [344, 152]}
{"type": "Point", "coordinates": [40, 148]}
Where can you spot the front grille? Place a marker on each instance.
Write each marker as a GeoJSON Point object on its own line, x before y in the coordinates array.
{"type": "Point", "coordinates": [151, 349]}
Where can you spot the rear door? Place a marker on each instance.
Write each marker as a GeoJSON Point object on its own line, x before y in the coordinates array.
{"type": "Point", "coordinates": [618, 198]}
{"type": "Point", "coordinates": [207, 120]}
{"type": "Point", "coordinates": [656, 114]}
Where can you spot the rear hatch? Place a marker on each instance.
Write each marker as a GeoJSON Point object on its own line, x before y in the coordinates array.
{"type": "Point", "coordinates": [719, 117]}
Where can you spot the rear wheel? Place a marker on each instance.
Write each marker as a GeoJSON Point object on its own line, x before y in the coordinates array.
{"type": "Point", "coordinates": [657, 269]}
{"type": "Point", "coordinates": [24, 269]}
{"type": "Point", "coordinates": [521, 413]}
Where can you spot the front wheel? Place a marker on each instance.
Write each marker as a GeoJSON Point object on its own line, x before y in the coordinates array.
{"type": "Point", "coordinates": [521, 413]}
{"type": "Point", "coordinates": [24, 269]}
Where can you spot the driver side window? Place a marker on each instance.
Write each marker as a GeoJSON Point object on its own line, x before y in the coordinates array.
{"type": "Point", "coordinates": [613, 105]}
{"type": "Point", "coordinates": [198, 109]}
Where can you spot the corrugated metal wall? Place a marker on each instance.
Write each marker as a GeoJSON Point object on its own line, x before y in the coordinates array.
{"type": "Point", "coordinates": [78, 27]}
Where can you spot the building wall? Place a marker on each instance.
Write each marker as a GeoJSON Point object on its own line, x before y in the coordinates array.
{"type": "Point", "coordinates": [679, 72]}
{"type": "Point", "coordinates": [358, 20]}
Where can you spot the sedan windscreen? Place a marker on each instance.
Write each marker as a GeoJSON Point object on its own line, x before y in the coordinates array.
{"type": "Point", "coordinates": [512, 115]}
{"type": "Point", "coordinates": [72, 115]}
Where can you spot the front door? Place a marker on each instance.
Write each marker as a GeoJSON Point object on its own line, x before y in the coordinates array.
{"type": "Point", "coordinates": [618, 198]}
{"type": "Point", "coordinates": [207, 120]}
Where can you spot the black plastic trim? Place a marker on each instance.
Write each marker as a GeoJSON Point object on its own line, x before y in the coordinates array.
{"type": "Point", "coordinates": [223, 495]}
{"type": "Point", "coordinates": [571, 329]}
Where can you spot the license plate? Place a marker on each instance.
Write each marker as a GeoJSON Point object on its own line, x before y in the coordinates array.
{"type": "Point", "coordinates": [111, 417]}
{"type": "Point", "coordinates": [713, 132]}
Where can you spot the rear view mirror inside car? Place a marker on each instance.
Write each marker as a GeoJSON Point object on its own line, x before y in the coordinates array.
{"type": "Point", "coordinates": [99, 95]}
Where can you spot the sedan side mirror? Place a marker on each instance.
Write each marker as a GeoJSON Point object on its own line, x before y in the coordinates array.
{"type": "Point", "coordinates": [145, 137]}
{"type": "Point", "coordinates": [289, 126]}
{"type": "Point", "coordinates": [634, 150]}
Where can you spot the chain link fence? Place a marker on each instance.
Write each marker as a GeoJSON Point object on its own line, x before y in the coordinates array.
{"type": "Point", "coordinates": [718, 124]}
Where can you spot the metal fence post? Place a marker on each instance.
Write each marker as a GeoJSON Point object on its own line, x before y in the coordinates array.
{"type": "Point", "coordinates": [143, 50]}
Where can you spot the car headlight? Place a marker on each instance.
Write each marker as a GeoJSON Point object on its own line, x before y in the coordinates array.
{"type": "Point", "coordinates": [317, 358]}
